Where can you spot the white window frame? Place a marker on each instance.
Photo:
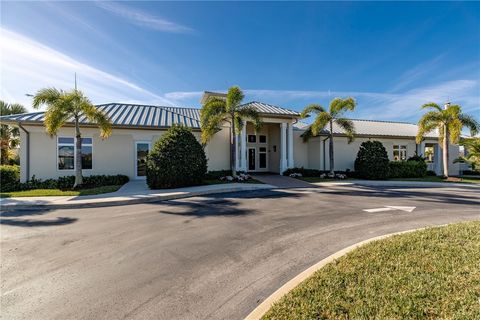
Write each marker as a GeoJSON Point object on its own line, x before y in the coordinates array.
{"type": "Point", "coordinates": [135, 157]}
{"type": "Point", "coordinates": [266, 157]}
{"type": "Point", "coordinates": [401, 148]}
{"type": "Point", "coordinates": [74, 152]}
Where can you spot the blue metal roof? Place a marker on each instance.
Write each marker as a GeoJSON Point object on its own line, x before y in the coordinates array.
{"type": "Point", "coordinates": [136, 115]}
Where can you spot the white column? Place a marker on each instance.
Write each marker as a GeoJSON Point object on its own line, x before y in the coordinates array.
{"type": "Point", "coordinates": [237, 154]}
{"type": "Point", "coordinates": [290, 146]}
{"type": "Point", "coordinates": [283, 147]}
{"type": "Point", "coordinates": [243, 148]}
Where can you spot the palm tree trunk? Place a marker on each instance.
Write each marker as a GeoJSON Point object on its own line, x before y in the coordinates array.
{"type": "Point", "coordinates": [233, 154]}
{"type": "Point", "coordinates": [78, 156]}
{"type": "Point", "coordinates": [330, 151]}
{"type": "Point", "coordinates": [445, 151]}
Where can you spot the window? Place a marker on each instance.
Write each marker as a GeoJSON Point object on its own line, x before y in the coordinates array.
{"type": "Point", "coordinates": [429, 154]}
{"type": "Point", "coordinates": [252, 138]}
{"type": "Point", "coordinates": [87, 153]}
{"type": "Point", "coordinates": [399, 152]}
{"type": "Point", "coordinates": [262, 139]}
{"type": "Point", "coordinates": [262, 158]}
{"type": "Point", "coordinates": [66, 153]}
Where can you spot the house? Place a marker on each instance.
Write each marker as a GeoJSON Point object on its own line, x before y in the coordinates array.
{"type": "Point", "coordinates": [276, 147]}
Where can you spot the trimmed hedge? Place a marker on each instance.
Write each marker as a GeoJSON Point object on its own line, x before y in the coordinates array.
{"type": "Point", "coordinates": [372, 161]}
{"type": "Point", "coordinates": [407, 169]}
{"type": "Point", "coordinates": [9, 177]}
{"type": "Point", "coordinates": [177, 160]}
{"type": "Point", "coordinates": [62, 183]}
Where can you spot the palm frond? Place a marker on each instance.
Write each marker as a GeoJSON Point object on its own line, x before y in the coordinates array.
{"type": "Point", "coordinates": [98, 117]}
{"type": "Point", "coordinates": [311, 108]}
{"type": "Point", "coordinates": [470, 122]}
{"type": "Point", "coordinates": [347, 126]}
{"type": "Point", "coordinates": [427, 123]}
{"type": "Point", "coordinates": [321, 120]}
{"type": "Point", "coordinates": [47, 96]}
{"type": "Point", "coordinates": [250, 113]}
{"type": "Point", "coordinates": [55, 118]}
{"type": "Point", "coordinates": [431, 105]}
{"type": "Point", "coordinates": [234, 98]}
{"type": "Point", "coordinates": [307, 134]}
{"type": "Point", "coordinates": [338, 106]}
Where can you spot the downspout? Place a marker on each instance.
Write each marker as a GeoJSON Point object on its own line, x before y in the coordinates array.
{"type": "Point", "coordinates": [324, 159]}
{"type": "Point", "coordinates": [27, 142]}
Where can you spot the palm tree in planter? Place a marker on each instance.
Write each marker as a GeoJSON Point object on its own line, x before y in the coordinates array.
{"type": "Point", "coordinates": [449, 122]}
{"type": "Point", "coordinates": [9, 134]}
{"type": "Point", "coordinates": [216, 111]}
{"type": "Point", "coordinates": [323, 118]}
{"type": "Point", "coordinates": [63, 106]}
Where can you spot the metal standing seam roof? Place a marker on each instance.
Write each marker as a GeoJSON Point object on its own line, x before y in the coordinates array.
{"type": "Point", "coordinates": [381, 128]}
{"type": "Point", "coordinates": [135, 115]}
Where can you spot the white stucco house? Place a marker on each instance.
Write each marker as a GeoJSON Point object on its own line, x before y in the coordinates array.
{"type": "Point", "coordinates": [276, 147]}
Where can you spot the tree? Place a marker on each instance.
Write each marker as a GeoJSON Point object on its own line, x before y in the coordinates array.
{"type": "Point", "coordinates": [472, 154]}
{"type": "Point", "coordinates": [9, 134]}
{"type": "Point", "coordinates": [63, 106]}
{"type": "Point", "coordinates": [323, 118]}
{"type": "Point", "coordinates": [372, 161]}
{"type": "Point", "coordinates": [449, 122]}
{"type": "Point", "coordinates": [216, 111]}
{"type": "Point", "coordinates": [176, 160]}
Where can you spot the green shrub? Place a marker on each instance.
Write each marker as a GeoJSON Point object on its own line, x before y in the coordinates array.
{"type": "Point", "coordinates": [9, 178]}
{"type": "Point", "coordinates": [177, 160]}
{"type": "Point", "coordinates": [372, 161]}
{"type": "Point", "coordinates": [407, 169]}
{"type": "Point", "coordinates": [304, 172]}
{"type": "Point", "coordinates": [431, 173]}
{"type": "Point", "coordinates": [416, 157]}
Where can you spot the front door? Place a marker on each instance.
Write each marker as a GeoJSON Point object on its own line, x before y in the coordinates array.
{"type": "Point", "coordinates": [251, 159]}
{"type": "Point", "coordinates": [141, 152]}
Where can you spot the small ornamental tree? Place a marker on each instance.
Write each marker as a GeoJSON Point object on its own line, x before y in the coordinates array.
{"type": "Point", "coordinates": [176, 160]}
{"type": "Point", "coordinates": [372, 161]}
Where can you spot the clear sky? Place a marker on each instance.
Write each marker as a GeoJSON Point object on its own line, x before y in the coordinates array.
{"type": "Point", "coordinates": [392, 57]}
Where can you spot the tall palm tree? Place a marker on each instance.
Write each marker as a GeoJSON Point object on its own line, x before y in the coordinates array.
{"type": "Point", "coordinates": [9, 134]}
{"type": "Point", "coordinates": [323, 118]}
{"type": "Point", "coordinates": [63, 106]}
{"type": "Point", "coordinates": [216, 111]}
{"type": "Point", "coordinates": [472, 154]}
{"type": "Point", "coordinates": [449, 122]}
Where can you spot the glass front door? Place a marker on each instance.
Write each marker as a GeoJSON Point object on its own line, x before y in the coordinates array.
{"type": "Point", "coordinates": [251, 159]}
{"type": "Point", "coordinates": [141, 152]}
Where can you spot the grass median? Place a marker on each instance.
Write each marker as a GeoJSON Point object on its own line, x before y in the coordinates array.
{"type": "Point", "coordinates": [58, 192]}
{"type": "Point", "coordinates": [427, 274]}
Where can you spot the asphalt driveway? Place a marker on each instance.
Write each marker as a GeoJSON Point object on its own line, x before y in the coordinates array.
{"type": "Point", "coordinates": [212, 257]}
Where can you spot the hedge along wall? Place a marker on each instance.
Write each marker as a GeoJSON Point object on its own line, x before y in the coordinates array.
{"type": "Point", "coordinates": [407, 169]}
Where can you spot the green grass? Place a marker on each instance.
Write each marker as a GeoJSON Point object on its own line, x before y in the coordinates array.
{"type": "Point", "coordinates": [428, 274]}
{"type": "Point", "coordinates": [58, 192]}
{"type": "Point", "coordinates": [440, 179]}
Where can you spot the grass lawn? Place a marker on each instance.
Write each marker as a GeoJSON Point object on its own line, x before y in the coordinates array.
{"type": "Point", "coordinates": [58, 192]}
{"type": "Point", "coordinates": [440, 179]}
{"type": "Point", "coordinates": [428, 274]}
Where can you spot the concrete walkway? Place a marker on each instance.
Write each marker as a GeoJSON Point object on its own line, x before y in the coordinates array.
{"type": "Point", "coordinates": [135, 191]}
{"type": "Point", "coordinates": [282, 181]}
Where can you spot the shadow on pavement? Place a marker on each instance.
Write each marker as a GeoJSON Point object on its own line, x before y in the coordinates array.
{"type": "Point", "coordinates": [10, 218]}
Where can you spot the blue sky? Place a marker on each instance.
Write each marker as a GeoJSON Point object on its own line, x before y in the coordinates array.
{"type": "Point", "coordinates": [392, 57]}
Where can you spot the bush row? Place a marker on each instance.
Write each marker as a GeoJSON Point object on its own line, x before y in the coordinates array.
{"type": "Point", "coordinates": [316, 173]}
{"type": "Point", "coordinates": [10, 181]}
{"type": "Point", "coordinates": [407, 169]}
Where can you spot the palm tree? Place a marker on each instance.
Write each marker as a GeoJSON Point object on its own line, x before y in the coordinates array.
{"type": "Point", "coordinates": [63, 106]}
{"type": "Point", "coordinates": [9, 134]}
{"type": "Point", "coordinates": [449, 122]}
{"type": "Point", "coordinates": [216, 111]}
{"type": "Point", "coordinates": [323, 118]}
{"type": "Point", "coordinates": [472, 156]}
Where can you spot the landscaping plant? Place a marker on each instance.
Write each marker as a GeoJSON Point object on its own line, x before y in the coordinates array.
{"type": "Point", "coordinates": [372, 161]}
{"type": "Point", "coordinates": [177, 159]}
{"type": "Point", "coordinates": [449, 122]}
{"type": "Point", "coordinates": [334, 115]}
{"type": "Point", "coordinates": [216, 112]}
{"type": "Point", "coordinates": [63, 106]}
{"type": "Point", "coordinates": [10, 135]}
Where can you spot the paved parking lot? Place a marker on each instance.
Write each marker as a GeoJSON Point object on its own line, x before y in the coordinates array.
{"type": "Point", "coordinates": [212, 257]}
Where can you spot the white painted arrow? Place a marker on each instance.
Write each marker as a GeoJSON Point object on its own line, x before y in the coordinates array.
{"type": "Point", "coordinates": [390, 208]}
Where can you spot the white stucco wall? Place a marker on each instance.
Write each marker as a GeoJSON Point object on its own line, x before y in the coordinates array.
{"type": "Point", "coordinates": [115, 155]}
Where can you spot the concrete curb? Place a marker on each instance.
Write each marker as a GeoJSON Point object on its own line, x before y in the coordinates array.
{"type": "Point", "coordinates": [144, 199]}
{"type": "Point", "coordinates": [263, 307]}
{"type": "Point", "coordinates": [396, 184]}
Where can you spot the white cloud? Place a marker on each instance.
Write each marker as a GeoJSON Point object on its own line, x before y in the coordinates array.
{"type": "Point", "coordinates": [27, 66]}
{"type": "Point", "coordinates": [142, 19]}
